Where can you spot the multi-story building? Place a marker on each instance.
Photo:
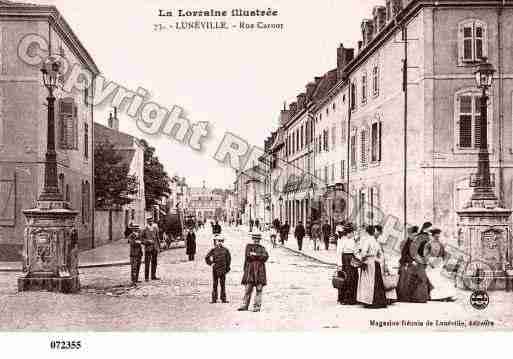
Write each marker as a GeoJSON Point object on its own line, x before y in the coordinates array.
{"type": "Point", "coordinates": [23, 122]}
{"type": "Point", "coordinates": [411, 106]}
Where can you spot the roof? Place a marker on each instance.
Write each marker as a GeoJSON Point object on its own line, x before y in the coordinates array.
{"type": "Point", "coordinates": [120, 140]}
{"type": "Point", "coordinates": [56, 20]}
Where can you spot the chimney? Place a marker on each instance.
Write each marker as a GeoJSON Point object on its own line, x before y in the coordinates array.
{"type": "Point", "coordinates": [301, 101]}
{"type": "Point", "coordinates": [310, 89]}
{"type": "Point", "coordinates": [109, 122]}
{"type": "Point", "coordinates": [284, 116]}
{"type": "Point", "coordinates": [393, 7]}
{"type": "Point", "coordinates": [360, 45]}
{"type": "Point", "coordinates": [367, 31]}
{"type": "Point", "coordinates": [344, 57]}
{"type": "Point", "coordinates": [379, 14]}
{"type": "Point", "coordinates": [292, 109]}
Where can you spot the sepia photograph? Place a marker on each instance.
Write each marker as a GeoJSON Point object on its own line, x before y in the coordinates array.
{"type": "Point", "coordinates": [172, 166]}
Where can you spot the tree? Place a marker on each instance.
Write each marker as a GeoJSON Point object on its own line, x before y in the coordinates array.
{"type": "Point", "coordinates": [114, 187]}
{"type": "Point", "coordinates": [156, 180]}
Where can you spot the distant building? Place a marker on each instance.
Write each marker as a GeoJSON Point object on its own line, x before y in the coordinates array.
{"type": "Point", "coordinates": [206, 203]}
{"type": "Point", "coordinates": [23, 124]}
{"type": "Point", "coordinates": [132, 151]}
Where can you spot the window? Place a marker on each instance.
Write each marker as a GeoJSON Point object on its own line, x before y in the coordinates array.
{"type": "Point", "coordinates": [376, 142]}
{"type": "Point", "coordinates": [332, 172]}
{"type": "Point", "coordinates": [472, 41]}
{"type": "Point", "coordinates": [342, 169]}
{"type": "Point", "coordinates": [343, 132]}
{"type": "Point", "coordinates": [375, 81]}
{"type": "Point", "coordinates": [325, 140]}
{"type": "Point", "coordinates": [68, 127]}
{"type": "Point", "coordinates": [293, 144]}
{"type": "Point", "coordinates": [334, 136]}
{"type": "Point", "coordinates": [326, 174]}
{"type": "Point", "coordinates": [353, 150]}
{"type": "Point", "coordinates": [362, 208]}
{"type": "Point", "coordinates": [364, 141]}
{"type": "Point", "coordinates": [297, 140]}
{"type": "Point", "coordinates": [67, 196]}
{"type": "Point", "coordinates": [468, 128]}
{"type": "Point", "coordinates": [353, 96]}
{"type": "Point", "coordinates": [334, 106]}
{"type": "Point", "coordinates": [86, 140]}
{"type": "Point", "coordinates": [364, 88]}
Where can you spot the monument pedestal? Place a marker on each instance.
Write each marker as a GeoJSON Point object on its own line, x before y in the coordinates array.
{"type": "Point", "coordinates": [485, 245]}
{"type": "Point", "coordinates": [50, 250]}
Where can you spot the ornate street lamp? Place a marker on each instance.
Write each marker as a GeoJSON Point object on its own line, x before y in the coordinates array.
{"type": "Point", "coordinates": [50, 72]}
{"type": "Point", "coordinates": [50, 246]}
{"type": "Point", "coordinates": [482, 184]}
{"type": "Point", "coordinates": [483, 226]}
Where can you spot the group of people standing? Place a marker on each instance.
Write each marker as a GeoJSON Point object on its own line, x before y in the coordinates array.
{"type": "Point", "coordinates": [366, 272]}
{"type": "Point", "coordinates": [149, 238]}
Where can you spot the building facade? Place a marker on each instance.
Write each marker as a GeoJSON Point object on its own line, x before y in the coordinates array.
{"type": "Point", "coordinates": [400, 128]}
{"type": "Point", "coordinates": [207, 204]}
{"type": "Point", "coordinates": [23, 123]}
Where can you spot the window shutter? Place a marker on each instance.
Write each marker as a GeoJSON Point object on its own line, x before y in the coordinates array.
{"type": "Point", "coordinates": [343, 132]}
{"type": "Point", "coordinates": [479, 41]}
{"type": "Point", "coordinates": [379, 141]}
{"type": "Point", "coordinates": [363, 149]}
{"type": "Point", "coordinates": [75, 126]}
{"type": "Point", "coordinates": [465, 135]}
{"type": "Point", "coordinates": [467, 39]}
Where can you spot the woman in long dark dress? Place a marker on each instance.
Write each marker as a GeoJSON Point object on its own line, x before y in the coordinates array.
{"type": "Point", "coordinates": [190, 243]}
{"type": "Point", "coordinates": [418, 282]}
{"type": "Point", "coordinates": [405, 263]}
{"type": "Point", "coordinates": [346, 247]}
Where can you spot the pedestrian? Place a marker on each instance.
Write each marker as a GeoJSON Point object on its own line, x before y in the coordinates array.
{"type": "Point", "coordinates": [220, 259]}
{"type": "Point", "coordinates": [216, 228]}
{"type": "Point", "coordinates": [326, 231]}
{"type": "Point", "coordinates": [150, 239]}
{"type": "Point", "coordinates": [190, 243]}
{"type": "Point", "coordinates": [406, 261]}
{"type": "Point", "coordinates": [273, 236]}
{"type": "Point", "coordinates": [251, 224]}
{"type": "Point", "coordinates": [254, 273]}
{"type": "Point", "coordinates": [346, 247]}
{"type": "Point", "coordinates": [371, 289]}
{"type": "Point", "coordinates": [257, 224]}
{"type": "Point", "coordinates": [129, 229]}
{"type": "Point", "coordinates": [383, 261]}
{"type": "Point", "coordinates": [299, 233]}
{"type": "Point", "coordinates": [443, 290]}
{"type": "Point", "coordinates": [277, 224]}
{"type": "Point", "coordinates": [419, 284]}
{"type": "Point", "coordinates": [316, 235]}
{"type": "Point", "coordinates": [284, 233]}
{"type": "Point", "coordinates": [136, 253]}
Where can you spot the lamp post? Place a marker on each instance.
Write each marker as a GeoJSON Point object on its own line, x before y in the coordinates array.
{"type": "Point", "coordinates": [50, 245]}
{"type": "Point", "coordinates": [483, 191]}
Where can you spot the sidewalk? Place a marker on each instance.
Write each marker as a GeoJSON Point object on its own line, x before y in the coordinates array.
{"type": "Point", "coordinates": [108, 255]}
{"type": "Point", "coordinates": [324, 256]}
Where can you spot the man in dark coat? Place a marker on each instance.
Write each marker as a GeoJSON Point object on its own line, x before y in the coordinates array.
{"type": "Point", "coordinates": [299, 233]}
{"type": "Point", "coordinates": [277, 225]}
{"type": "Point", "coordinates": [136, 253]}
{"type": "Point", "coordinates": [284, 232]}
{"type": "Point", "coordinates": [326, 231]}
{"type": "Point", "coordinates": [254, 273]}
{"type": "Point", "coordinates": [190, 243]}
{"type": "Point", "coordinates": [257, 224]}
{"type": "Point", "coordinates": [150, 239]}
{"type": "Point", "coordinates": [251, 223]}
{"type": "Point", "coordinates": [220, 259]}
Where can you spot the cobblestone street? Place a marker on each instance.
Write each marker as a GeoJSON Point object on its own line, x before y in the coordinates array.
{"type": "Point", "coordinates": [299, 297]}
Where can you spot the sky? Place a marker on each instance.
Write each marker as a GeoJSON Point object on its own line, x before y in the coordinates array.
{"type": "Point", "coordinates": [236, 80]}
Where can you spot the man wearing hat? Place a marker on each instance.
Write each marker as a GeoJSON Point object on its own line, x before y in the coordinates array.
{"type": "Point", "coordinates": [254, 272]}
{"type": "Point", "coordinates": [220, 259]}
{"type": "Point", "coordinates": [150, 239]}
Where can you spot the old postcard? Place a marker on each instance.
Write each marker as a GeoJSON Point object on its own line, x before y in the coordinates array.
{"type": "Point", "coordinates": [179, 166]}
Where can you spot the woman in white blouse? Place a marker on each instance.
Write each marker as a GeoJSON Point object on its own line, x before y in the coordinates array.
{"type": "Point", "coordinates": [371, 290]}
{"type": "Point", "coordinates": [346, 247]}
